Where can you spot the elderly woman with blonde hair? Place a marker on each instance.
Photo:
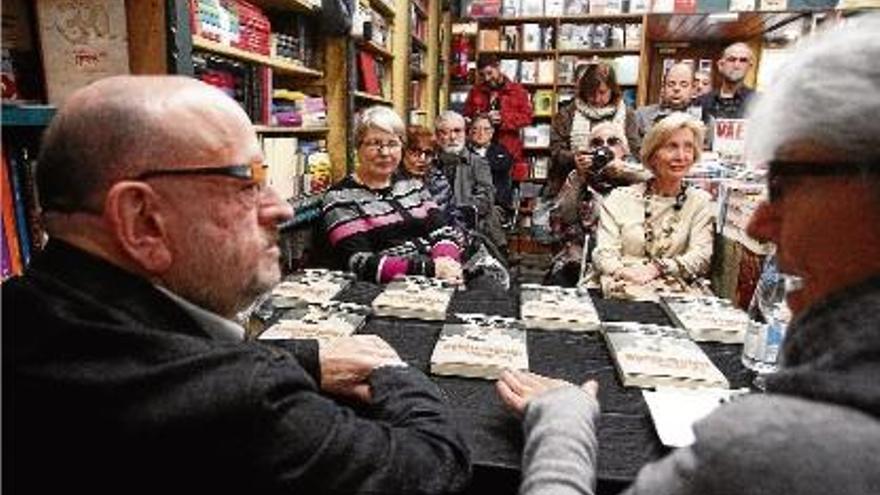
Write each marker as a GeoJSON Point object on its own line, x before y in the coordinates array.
{"type": "Point", "coordinates": [657, 236]}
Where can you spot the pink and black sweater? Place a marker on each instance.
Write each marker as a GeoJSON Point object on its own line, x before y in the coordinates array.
{"type": "Point", "coordinates": [383, 233]}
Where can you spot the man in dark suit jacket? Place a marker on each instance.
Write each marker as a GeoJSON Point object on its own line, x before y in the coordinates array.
{"type": "Point", "coordinates": [123, 369]}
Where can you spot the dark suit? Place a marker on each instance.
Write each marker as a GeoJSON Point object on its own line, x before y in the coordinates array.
{"type": "Point", "coordinates": [111, 387]}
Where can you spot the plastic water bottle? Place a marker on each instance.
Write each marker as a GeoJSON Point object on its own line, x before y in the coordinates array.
{"type": "Point", "coordinates": [769, 316]}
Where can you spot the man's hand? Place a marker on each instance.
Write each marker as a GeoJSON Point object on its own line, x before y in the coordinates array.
{"type": "Point", "coordinates": [446, 268]}
{"type": "Point", "coordinates": [517, 388]}
{"type": "Point", "coordinates": [346, 364]}
{"type": "Point", "coordinates": [583, 162]}
{"type": "Point", "coordinates": [640, 275]}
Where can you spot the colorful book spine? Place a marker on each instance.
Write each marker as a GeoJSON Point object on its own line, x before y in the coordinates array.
{"type": "Point", "coordinates": [13, 167]}
{"type": "Point", "coordinates": [10, 233]}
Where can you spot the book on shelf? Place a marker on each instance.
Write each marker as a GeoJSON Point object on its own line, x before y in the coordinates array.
{"type": "Point", "coordinates": [554, 8]}
{"type": "Point", "coordinates": [412, 296]}
{"type": "Point", "coordinates": [649, 356]}
{"type": "Point", "coordinates": [528, 71]}
{"type": "Point", "coordinates": [13, 243]}
{"type": "Point", "coordinates": [632, 36]}
{"type": "Point", "coordinates": [489, 40]}
{"type": "Point", "coordinates": [728, 138]}
{"type": "Point", "coordinates": [546, 71]}
{"type": "Point", "coordinates": [613, 6]}
{"type": "Point", "coordinates": [313, 285]}
{"type": "Point", "coordinates": [543, 102]}
{"type": "Point", "coordinates": [707, 318]}
{"type": "Point", "coordinates": [510, 68]}
{"type": "Point", "coordinates": [480, 346]}
{"type": "Point", "coordinates": [531, 37]}
{"type": "Point", "coordinates": [742, 5]}
{"type": "Point", "coordinates": [566, 69]}
{"type": "Point", "coordinates": [539, 167]}
{"type": "Point", "coordinates": [536, 136]}
{"type": "Point", "coordinates": [598, 7]}
{"type": "Point", "coordinates": [323, 322]}
{"type": "Point", "coordinates": [550, 307]}
{"type": "Point", "coordinates": [627, 69]}
{"type": "Point", "coordinates": [531, 8]}
{"type": "Point", "coordinates": [774, 5]}
{"type": "Point", "coordinates": [576, 7]}
{"type": "Point", "coordinates": [511, 38]}
{"type": "Point", "coordinates": [368, 71]}
{"type": "Point", "coordinates": [639, 6]}
{"type": "Point", "coordinates": [510, 8]}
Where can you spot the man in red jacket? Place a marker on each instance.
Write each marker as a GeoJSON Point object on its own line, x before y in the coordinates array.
{"type": "Point", "coordinates": [506, 102]}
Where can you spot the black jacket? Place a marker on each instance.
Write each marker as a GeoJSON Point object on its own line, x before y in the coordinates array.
{"type": "Point", "coordinates": [111, 387]}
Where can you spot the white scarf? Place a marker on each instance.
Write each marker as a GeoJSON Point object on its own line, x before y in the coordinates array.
{"type": "Point", "coordinates": [586, 115]}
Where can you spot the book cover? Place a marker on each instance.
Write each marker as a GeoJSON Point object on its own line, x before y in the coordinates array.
{"type": "Point", "coordinates": [531, 37]}
{"type": "Point", "coordinates": [314, 285]}
{"type": "Point", "coordinates": [707, 318]}
{"type": "Point", "coordinates": [511, 39]}
{"type": "Point", "coordinates": [528, 71]}
{"type": "Point", "coordinates": [554, 8]}
{"type": "Point", "coordinates": [542, 102]}
{"type": "Point", "coordinates": [10, 227]}
{"type": "Point", "coordinates": [510, 68]}
{"type": "Point", "coordinates": [489, 40]}
{"type": "Point", "coordinates": [649, 356]}
{"type": "Point", "coordinates": [540, 167]}
{"type": "Point", "coordinates": [82, 42]}
{"type": "Point", "coordinates": [546, 71]}
{"type": "Point", "coordinates": [531, 8]}
{"type": "Point", "coordinates": [323, 322]}
{"type": "Point", "coordinates": [510, 8]}
{"type": "Point", "coordinates": [480, 346]}
{"type": "Point", "coordinates": [576, 7]}
{"type": "Point", "coordinates": [369, 79]}
{"type": "Point", "coordinates": [416, 297]}
{"type": "Point", "coordinates": [550, 307]}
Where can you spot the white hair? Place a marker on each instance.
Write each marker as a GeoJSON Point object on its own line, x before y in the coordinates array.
{"type": "Point", "coordinates": [448, 116]}
{"type": "Point", "coordinates": [827, 94]}
{"type": "Point", "coordinates": [382, 118]}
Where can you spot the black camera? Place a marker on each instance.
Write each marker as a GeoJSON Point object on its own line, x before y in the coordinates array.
{"type": "Point", "coordinates": [601, 157]}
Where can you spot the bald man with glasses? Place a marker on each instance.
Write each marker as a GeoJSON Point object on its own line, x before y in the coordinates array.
{"type": "Point", "coordinates": [124, 368]}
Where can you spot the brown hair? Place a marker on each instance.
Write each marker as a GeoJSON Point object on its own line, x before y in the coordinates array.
{"type": "Point", "coordinates": [593, 77]}
{"type": "Point", "coordinates": [419, 136]}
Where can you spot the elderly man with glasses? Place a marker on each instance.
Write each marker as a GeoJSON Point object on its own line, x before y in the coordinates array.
{"type": "Point", "coordinates": [124, 369]}
{"type": "Point", "coordinates": [816, 428]}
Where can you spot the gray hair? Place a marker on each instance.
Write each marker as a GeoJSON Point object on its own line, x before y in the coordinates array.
{"type": "Point", "coordinates": [827, 94]}
{"type": "Point", "coordinates": [382, 118]}
{"type": "Point", "coordinates": [615, 130]}
{"type": "Point", "coordinates": [448, 116]}
{"type": "Point", "coordinates": [662, 130]}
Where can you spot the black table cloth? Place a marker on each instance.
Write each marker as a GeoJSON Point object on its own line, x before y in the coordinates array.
{"type": "Point", "coordinates": [627, 439]}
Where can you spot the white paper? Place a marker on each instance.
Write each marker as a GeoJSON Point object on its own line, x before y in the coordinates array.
{"type": "Point", "coordinates": [675, 411]}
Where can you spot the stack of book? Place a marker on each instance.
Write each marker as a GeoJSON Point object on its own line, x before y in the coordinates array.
{"type": "Point", "coordinates": [417, 297]}
{"type": "Point", "coordinates": [323, 322]}
{"type": "Point", "coordinates": [557, 308]}
{"type": "Point", "coordinates": [314, 285]}
{"type": "Point", "coordinates": [707, 318]}
{"type": "Point", "coordinates": [480, 346]}
{"type": "Point", "coordinates": [649, 356]}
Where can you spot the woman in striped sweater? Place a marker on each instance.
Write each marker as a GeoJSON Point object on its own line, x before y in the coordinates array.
{"type": "Point", "coordinates": [381, 228]}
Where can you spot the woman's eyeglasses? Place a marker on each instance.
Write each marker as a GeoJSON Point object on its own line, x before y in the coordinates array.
{"type": "Point", "coordinates": [424, 154]}
{"type": "Point", "coordinates": [598, 142]}
{"type": "Point", "coordinates": [375, 146]}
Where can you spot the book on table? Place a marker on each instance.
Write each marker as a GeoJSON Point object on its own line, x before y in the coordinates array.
{"type": "Point", "coordinates": [707, 318]}
{"type": "Point", "coordinates": [321, 321]}
{"type": "Point", "coordinates": [550, 307]}
{"type": "Point", "coordinates": [416, 297]}
{"type": "Point", "coordinates": [480, 346]}
{"type": "Point", "coordinates": [649, 356]}
{"type": "Point", "coordinates": [314, 285]}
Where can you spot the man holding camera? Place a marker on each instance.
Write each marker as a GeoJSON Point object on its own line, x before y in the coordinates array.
{"type": "Point", "coordinates": [599, 167]}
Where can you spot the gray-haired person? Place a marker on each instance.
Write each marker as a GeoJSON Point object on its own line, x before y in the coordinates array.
{"type": "Point", "coordinates": [816, 430]}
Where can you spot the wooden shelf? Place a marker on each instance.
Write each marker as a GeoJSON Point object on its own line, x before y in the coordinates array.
{"type": "Point", "coordinates": [520, 53]}
{"type": "Point", "coordinates": [277, 64]}
{"type": "Point", "coordinates": [602, 18]}
{"type": "Point", "coordinates": [419, 42]}
{"type": "Point", "coordinates": [373, 98]}
{"type": "Point", "coordinates": [27, 115]}
{"type": "Point", "coordinates": [515, 20]}
{"type": "Point", "coordinates": [369, 46]}
{"type": "Point", "coordinates": [538, 85]}
{"type": "Point", "coordinates": [536, 149]}
{"type": "Point", "coordinates": [599, 51]}
{"type": "Point", "coordinates": [542, 117]}
{"type": "Point", "coordinates": [418, 74]}
{"type": "Point", "coordinates": [382, 7]}
{"type": "Point", "coordinates": [267, 129]}
{"type": "Point", "coordinates": [287, 5]}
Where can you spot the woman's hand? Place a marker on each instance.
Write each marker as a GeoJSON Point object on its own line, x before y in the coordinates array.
{"type": "Point", "coordinates": [446, 268]}
{"type": "Point", "coordinates": [517, 388]}
{"type": "Point", "coordinates": [583, 162]}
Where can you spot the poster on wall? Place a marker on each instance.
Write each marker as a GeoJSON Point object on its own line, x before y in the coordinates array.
{"type": "Point", "coordinates": [82, 41]}
{"type": "Point", "coordinates": [729, 140]}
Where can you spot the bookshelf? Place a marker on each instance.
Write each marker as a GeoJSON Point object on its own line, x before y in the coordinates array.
{"type": "Point", "coordinates": [269, 55]}
{"type": "Point", "coordinates": [376, 36]}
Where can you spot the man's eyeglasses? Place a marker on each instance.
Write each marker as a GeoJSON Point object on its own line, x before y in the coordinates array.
{"type": "Point", "coordinates": [375, 146]}
{"type": "Point", "coordinates": [780, 170]}
{"type": "Point", "coordinates": [742, 60]}
{"type": "Point", "coordinates": [255, 172]}
{"type": "Point", "coordinates": [424, 154]}
{"type": "Point", "coordinates": [598, 142]}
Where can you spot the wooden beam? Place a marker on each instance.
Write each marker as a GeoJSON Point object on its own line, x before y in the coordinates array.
{"type": "Point", "coordinates": [145, 20]}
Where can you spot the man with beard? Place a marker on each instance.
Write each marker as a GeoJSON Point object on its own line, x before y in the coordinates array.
{"type": "Point", "coordinates": [124, 370]}
{"type": "Point", "coordinates": [506, 102]}
{"type": "Point", "coordinates": [731, 99]}
{"type": "Point", "coordinates": [675, 96]}
{"type": "Point", "coordinates": [470, 176]}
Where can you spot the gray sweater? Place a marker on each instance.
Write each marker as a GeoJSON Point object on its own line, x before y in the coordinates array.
{"type": "Point", "coordinates": [816, 431]}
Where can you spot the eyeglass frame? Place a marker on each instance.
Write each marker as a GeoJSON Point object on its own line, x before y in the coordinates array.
{"type": "Point", "coordinates": [779, 169]}
{"type": "Point", "coordinates": [254, 171]}
{"type": "Point", "coordinates": [598, 142]}
{"type": "Point", "coordinates": [426, 155]}
{"type": "Point", "coordinates": [375, 147]}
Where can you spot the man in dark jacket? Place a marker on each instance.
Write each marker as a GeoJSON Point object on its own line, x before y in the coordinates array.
{"type": "Point", "coordinates": [123, 369]}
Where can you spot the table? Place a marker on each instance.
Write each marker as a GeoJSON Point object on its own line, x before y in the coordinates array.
{"type": "Point", "coordinates": [627, 439]}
